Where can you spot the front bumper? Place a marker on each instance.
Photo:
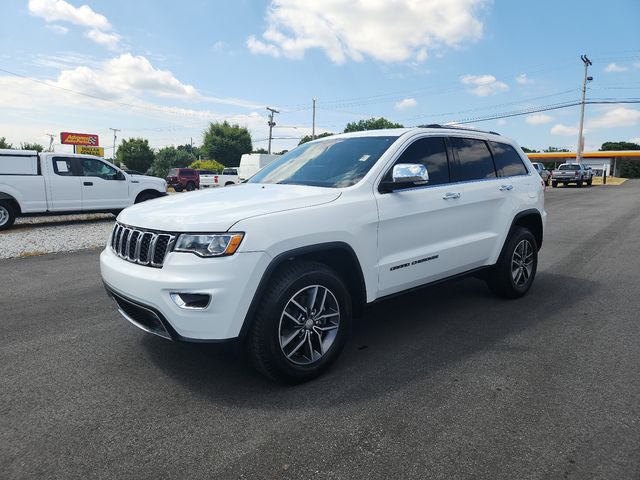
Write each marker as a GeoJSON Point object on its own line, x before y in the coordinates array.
{"type": "Point", "coordinates": [143, 294]}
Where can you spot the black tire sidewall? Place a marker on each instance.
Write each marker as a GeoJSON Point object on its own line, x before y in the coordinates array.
{"type": "Point", "coordinates": [12, 215]}
{"type": "Point", "coordinates": [281, 368]}
{"type": "Point", "coordinates": [519, 235]}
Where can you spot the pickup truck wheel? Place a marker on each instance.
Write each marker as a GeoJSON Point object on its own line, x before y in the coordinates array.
{"type": "Point", "coordinates": [229, 183]}
{"type": "Point", "coordinates": [301, 324]}
{"type": "Point", "coordinates": [143, 197]}
{"type": "Point", "coordinates": [7, 215]}
{"type": "Point", "coordinates": [579, 183]}
{"type": "Point", "coordinates": [191, 186]}
{"type": "Point", "coordinates": [516, 268]}
{"type": "Point", "coordinates": [554, 184]}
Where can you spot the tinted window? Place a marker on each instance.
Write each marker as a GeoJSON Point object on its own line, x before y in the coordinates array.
{"type": "Point", "coordinates": [63, 166]}
{"type": "Point", "coordinates": [474, 160]}
{"type": "Point", "coordinates": [96, 168]}
{"type": "Point", "coordinates": [432, 153]}
{"type": "Point", "coordinates": [508, 162]}
{"type": "Point", "coordinates": [569, 166]}
{"type": "Point", "coordinates": [334, 162]}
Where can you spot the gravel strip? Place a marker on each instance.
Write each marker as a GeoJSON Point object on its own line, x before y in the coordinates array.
{"type": "Point", "coordinates": [49, 234]}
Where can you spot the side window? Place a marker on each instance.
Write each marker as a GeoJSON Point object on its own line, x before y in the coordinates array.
{"type": "Point", "coordinates": [432, 153]}
{"type": "Point", "coordinates": [474, 160]}
{"type": "Point", "coordinates": [96, 168]}
{"type": "Point", "coordinates": [508, 162]}
{"type": "Point", "coordinates": [63, 166]}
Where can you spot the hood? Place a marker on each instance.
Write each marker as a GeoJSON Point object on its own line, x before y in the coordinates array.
{"type": "Point", "coordinates": [216, 210]}
{"type": "Point", "coordinates": [145, 178]}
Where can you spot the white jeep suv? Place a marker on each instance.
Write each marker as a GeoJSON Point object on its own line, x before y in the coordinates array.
{"type": "Point", "coordinates": [286, 260]}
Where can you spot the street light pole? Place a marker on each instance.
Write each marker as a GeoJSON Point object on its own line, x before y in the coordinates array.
{"type": "Point", "coordinates": [313, 127]}
{"type": "Point", "coordinates": [271, 124]}
{"type": "Point", "coordinates": [115, 130]}
{"type": "Point", "coordinates": [587, 63]}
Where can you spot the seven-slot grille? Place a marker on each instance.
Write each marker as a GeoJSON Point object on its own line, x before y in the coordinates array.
{"type": "Point", "coordinates": [141, 246]}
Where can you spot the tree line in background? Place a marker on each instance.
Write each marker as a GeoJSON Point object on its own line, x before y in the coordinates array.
{"type": "Point", "coordinates": [223, 144]}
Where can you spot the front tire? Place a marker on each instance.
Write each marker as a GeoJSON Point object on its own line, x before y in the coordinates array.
{"type": "Point", "coordinates": [554, 184]}
{"type": "Point", "coordinates": [513, 274]}
{"type": "Point", "coordinates": [191, 187]}
{"type": "Point", "coordinates": [301, 324]}
{"type": "Point", "coordinates": [7, 215]}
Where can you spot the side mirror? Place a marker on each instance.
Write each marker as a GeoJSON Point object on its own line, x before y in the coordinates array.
{"type": "Point", "coordinates": [406, 175]}
{"type": "Point", "coordinates": [120, 175]}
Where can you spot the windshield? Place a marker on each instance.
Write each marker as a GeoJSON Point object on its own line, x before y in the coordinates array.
{"type": "Point", "coordinates": [173, 172]}
{"type": "Point", "coordinates": [569, 166]}
{"type": "Point", "coordinates": [335, 162]}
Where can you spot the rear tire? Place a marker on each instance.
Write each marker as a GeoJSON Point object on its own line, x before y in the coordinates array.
{"type": "Point", "coordinates": [554, 184]}
{"type": "Point", "coordinates": [301, 324]}
{"type": "Point", "coordinates": [191, 187]}
{"type": "Point", "coordinates": [7, 215]}
{"type": "Point", "coordinates": [513, 274]}
{"type": "Point", "coordinates": [177, 189]}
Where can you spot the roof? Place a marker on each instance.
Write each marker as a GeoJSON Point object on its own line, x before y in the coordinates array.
{"type": "Point", "coordinates": [440, 130]}
{"type": "Point", "coordinates": [603, 154]}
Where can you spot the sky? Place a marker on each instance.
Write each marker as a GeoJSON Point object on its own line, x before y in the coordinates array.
{"type": "Point", "coordinates": [163, 70]}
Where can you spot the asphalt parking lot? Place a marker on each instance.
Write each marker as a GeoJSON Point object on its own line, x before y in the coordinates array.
{"type": "Point", "coordinates": [447, 382]}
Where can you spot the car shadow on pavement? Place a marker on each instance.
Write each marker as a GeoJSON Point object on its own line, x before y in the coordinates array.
{"type": "Point", "coordinates": [396, 343]}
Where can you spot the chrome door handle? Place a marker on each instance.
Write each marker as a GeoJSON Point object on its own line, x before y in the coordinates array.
{"type": "Point", "coordinates": [506, 187]}
{"type": "Point", "coordinates": [451, 195]}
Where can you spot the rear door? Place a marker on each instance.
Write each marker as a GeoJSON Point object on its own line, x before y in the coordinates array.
{"type": "Point", "coordinates": [103, 186]}
{"type": "Point", "coordinates": [65, 191]}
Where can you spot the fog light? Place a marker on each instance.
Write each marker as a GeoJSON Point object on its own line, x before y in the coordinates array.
{"type": "Point", "coordinates": [191, 301]}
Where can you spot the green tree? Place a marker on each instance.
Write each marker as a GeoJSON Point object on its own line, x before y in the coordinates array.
{"type": "Point", "coordinates": [192, 149]}
{"type": "Point", "coordinates": [307, 138]}
{"type": "Point", "coordinates": [136, 154]}
{"type": "Point", "coordinates": [4, 143]}
{"type": "Point", "coordinates": [629, 167]}
{"type": "Point", "coordinates": [528, 150]}
{"type": "Point", "coordinates": [260, 150]}
{"type": "Point", "coordinates": [371, 124]}
{"type": "Point", "coordinates": [207, 165]}
{"type": "Point", "coordinates": [554, 149]}
{"type": "Point", "coordinates": [31, 146]}
{"type": "Point", "coordinates": [169, 157]}
{"type": "Point", "coordinates": [226, 143]}
{"type": "Point", "coordinates": [606, 146]}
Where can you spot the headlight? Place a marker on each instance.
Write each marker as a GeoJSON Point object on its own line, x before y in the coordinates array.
{"type": "Point", "coordinates": [212, 245]}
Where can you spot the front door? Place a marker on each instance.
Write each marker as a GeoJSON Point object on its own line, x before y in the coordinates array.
{"type": "Point", "coordinates": [64, 184]}
{"type": "Point", "coordinates": [103, 186]}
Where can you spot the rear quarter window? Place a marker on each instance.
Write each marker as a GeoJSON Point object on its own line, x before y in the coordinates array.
{"type": "Point", "coordinates": [508, 162]}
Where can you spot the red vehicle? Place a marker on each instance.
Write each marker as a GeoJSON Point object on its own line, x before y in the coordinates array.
{"type": "Point", "coordinates": [183, 179]}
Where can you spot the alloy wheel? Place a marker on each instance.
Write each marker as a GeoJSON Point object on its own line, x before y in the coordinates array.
{"type": "Point", "coordinates": [522, 263]}
{"type": "Point", "coordinates": [309, 325]}
{"type": "Point", "coordinates": [4, 215]}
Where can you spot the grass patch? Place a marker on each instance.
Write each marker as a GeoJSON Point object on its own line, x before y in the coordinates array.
{"type": "Point", "coordinates": [610, 180]}
{"type": "Point", "coordinates": [34, 253]}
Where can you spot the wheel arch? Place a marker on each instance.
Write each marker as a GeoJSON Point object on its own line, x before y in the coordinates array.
{"type": "Point", "coordinates": [11, 199]}
{"type": "Point", "coordinates": [337, 255]}
{"type": "Point", "coordinates": [147, 192]}
{"type": "Point", "coordinates": [531, 219]}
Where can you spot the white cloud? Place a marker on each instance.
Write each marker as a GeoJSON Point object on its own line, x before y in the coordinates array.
{"type": "Point", "coordinates": [613, 67]}
{"type": "Point", "coordinates": [405, 103]}
{"type": "Point", "coordinates": [59, 29]}
{"type": "Point", "coordinates": [126, 74]}
{"type": "Point", "coordinates": [522, 79]}
{"type": "Point", "coordinates": [538, 119]}
{"type": "Point", "coordinates": [110, 40]}
{"type": "Point", "coordinates": [483, 85]}
{"type": "Point", "coordinates": [635, 140]}
{"type": "Point", "coordinates": [616, 117]}
{"type": "Point", "coordinates": [501, 121]}
{"type": "Point", "coordinates": [59, 10]}
{"type": "Point", "coordinates": [564, 130]}
{"type": "Point", "coordinates": [637, 65]}
{"type": "Point", "coordinates": [218, 46]}
{"type": "Point", "coordinates": [85, 16]}
{"type": "Point", "coordinates": [388, 31]}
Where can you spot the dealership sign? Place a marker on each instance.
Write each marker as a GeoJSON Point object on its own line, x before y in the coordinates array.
{"type": "Point", "coordinates": [86, 150]}
{"type": "Point", "coordinates": [88, 139]}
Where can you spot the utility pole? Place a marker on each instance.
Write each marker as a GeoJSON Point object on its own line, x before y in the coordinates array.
{"type": "Point", "coordinates": [50, 135]}
{"type": "Point", "coordinates": [271, 124]}
{"type": "Point", "coordinates": [313, 127]}
{"type": "Point", "coordinates": [191, 148]}
{"type": "Point", "coordinates": [587, 64]}
{"type": "Point", "coordinates": [115, 131]}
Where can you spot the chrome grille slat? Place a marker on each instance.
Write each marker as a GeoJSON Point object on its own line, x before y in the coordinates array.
{"type": "Point", "coordinates": [141, 246]}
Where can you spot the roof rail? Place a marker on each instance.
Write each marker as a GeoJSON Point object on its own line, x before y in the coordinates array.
{"type": "Point", "coordinates": [456, 127]}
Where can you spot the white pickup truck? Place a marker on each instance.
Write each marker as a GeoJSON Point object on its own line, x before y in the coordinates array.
{"type": "Point", "coordinates": [48, 183]}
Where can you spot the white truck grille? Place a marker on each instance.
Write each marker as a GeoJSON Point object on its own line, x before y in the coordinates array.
{"type": "Point", "coordinates": [141, 246]}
